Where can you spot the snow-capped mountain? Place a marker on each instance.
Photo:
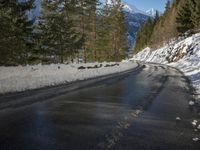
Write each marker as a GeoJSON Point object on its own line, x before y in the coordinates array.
{"type": "Point", "coordinates": [132, 9]}
{"type": "Point", "coordinates": [133, 23]}
{"type": "Point", "coordinates": [134, 19]}
{"type": "Point", "coordinates": [152, 12]}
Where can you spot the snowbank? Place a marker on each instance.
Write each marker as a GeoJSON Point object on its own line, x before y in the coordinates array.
{"type": "Point", "coordinates": [183, 53]}
{"type": "Point", "coordinates": [22, 78]}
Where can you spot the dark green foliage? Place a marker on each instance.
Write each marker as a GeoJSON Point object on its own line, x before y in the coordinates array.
{"type": "Point", "coordinates": [157, 17]}
{"type": "Point", "coordinates": [118, 32]}
{"type": "Point", "coordinates": [189, 16]}
{"type": "Point", "coordinates": [57, 38]}
{"type": "Point", "coordinates": [195, 15]}
{"type": "Point", "coordinates": [103, 37]}
{"type": "Point", "coordinates": [183, 19]}
{"type": "Point", "coordinates": [16, 39]}
{"type": "Point", "coordinates": [66, 29]}
{"type": "Point", "coordinates": [111, 39]}
{"type": "Point", "coordinates": [144, 35]}
{"type": "Point", "coordinates": [167, 6]}
{"type": "Point", "coordinates": [155, 33]}
{"type": "Point", "coordinates": [176, 2]}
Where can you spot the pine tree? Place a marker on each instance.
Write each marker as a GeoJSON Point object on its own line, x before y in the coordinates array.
{"type": "Point", "coordinates": [167, 6]}
{"type": "Point", "coordinates": [184, 21]}
{"type": "Point", "coordinates": [195, 15]}
{"type": "Point", "coordinates": [121, 42]}
{"type": "Point", "coordinates": [117, 31]}
{"type": "Point", "coordinates": [91, 29]}
{"type": "Point", "coordinates": [15, 31]}
{"type": "Point", "coordinates": [176, 2]}
{"type": "Point", "coordinates": [111, 38]}
{"type": "Point", "coordinates": [83, 14]}
{"type": "Point", "coordinates": [103, 44]}
{"type": "Point", "coordinates": [157, 16]}
{"type": "Point", "coordinates": [58, 39]}
{"type": "Point", "coordinates": [143, 37]}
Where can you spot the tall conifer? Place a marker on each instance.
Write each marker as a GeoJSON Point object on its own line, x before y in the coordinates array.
{"type": "Point", "coordinates": [15, 31]}
{"type": "Point", "coordinates": [184, 21]}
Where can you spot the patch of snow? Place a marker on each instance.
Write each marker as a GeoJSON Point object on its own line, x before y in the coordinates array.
{"type": "Point", "coordinates": [22, 78]}
{"type": "Point", "coordinates": [194, 122]}
{"type": "Point", "coordinates": [178, 118]}
{"type": "Point", "coordinates": [198, 127]}
{"type": "Point", "coordinates": [191, 103]}
{"type": "Point", "coordinates": [195, 139]}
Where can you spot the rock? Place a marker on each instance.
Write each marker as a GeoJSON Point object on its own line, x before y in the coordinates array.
{"type": "Point", "coordinates": [107, 65]}
{"type": "Point", "coordinates": [95, 66]}
{"type": "Point", "coordinates": [89, 67]}
{"type": "Point", "coordinates": [81, 67]}
{"type": "Point", "coordinates": [198, 127]}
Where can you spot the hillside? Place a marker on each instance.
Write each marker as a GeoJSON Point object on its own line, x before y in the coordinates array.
{"type": "Point", "coordinates": [133, 23]}
{"type": "Point", "coordinates": [173, 39]}
{"type": "Point", "coordinates": [162, 30]}
{"type": "Point", "coordinates": [182, 53]}
{"type": "Point", "coordinates": [166, 27]}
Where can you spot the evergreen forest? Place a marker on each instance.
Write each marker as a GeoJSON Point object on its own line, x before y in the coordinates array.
{"type": "Point", "coordinates": [66, 30]}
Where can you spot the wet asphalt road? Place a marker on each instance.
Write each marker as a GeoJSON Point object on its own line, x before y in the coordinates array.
{"type": "Point", "coordinates": [135, 110]}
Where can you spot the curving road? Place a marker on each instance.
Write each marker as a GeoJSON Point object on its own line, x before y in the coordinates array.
{"type": "Point", "coordinates": [133, 110]}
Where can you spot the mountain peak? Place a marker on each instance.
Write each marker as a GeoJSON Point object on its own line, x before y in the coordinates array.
{"type": "Point", "coordinates": [132, 9]}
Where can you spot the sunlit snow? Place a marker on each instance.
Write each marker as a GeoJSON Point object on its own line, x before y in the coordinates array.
{"type": "Point", "coordinates": [182, 53]}
{"type": "Point", "coordinates": [22, 78]}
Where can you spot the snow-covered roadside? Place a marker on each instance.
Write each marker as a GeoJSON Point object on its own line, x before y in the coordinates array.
{"type": "Point", "coordinates": [183, 53]}
{"type": "Point", "coordinates": [13, 79]}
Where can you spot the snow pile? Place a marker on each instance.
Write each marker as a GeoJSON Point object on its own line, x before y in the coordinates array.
{"type": "Point", "coordinates": [183, 53]}
{"type": "Point", "coordinates": [22, 78]}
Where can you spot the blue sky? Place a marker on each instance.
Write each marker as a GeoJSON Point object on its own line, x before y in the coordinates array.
{"type": "Point", "coordinates": [147, 4]}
